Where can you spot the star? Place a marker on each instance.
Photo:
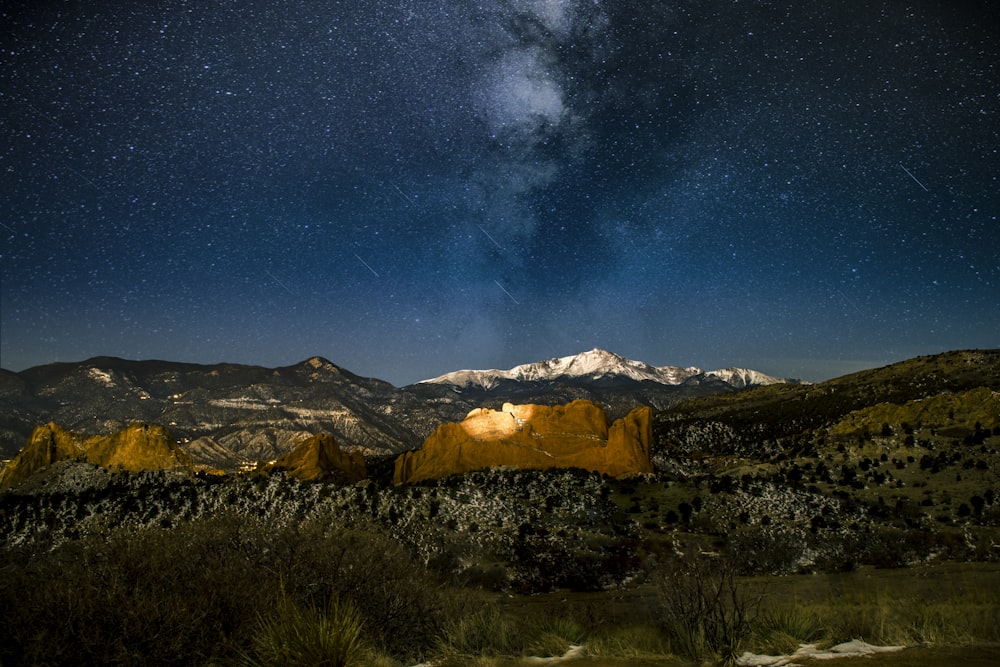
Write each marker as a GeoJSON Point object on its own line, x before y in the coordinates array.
{"type": "Point", "coordinates": [774, 187]}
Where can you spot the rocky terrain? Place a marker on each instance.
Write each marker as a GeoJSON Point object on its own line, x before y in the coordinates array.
{"type": "Point", "coordinates": [889, 467]}
{"type": "Point", "coordinates": [224, 415]}
{"type": "Point", "coordinates": [320, 459]}
{"type": "Point", "coordinates": [229, 416]}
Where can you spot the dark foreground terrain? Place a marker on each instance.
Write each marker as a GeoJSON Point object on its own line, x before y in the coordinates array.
{"type": "Point", "coordinates": [237, 590]}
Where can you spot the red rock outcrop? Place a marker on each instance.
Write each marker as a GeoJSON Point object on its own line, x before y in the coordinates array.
{"type": "Point", "coordinates": [320, 459]}
{"type": "Point", "coordinates": [575, 435]}
{"type": "Point", "coordinates": [135, 447]}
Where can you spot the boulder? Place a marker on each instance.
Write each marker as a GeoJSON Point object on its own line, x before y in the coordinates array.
{"type": "Point", "coordinates": [575, 435]}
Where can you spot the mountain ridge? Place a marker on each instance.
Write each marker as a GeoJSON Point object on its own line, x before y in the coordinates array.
{"type": "Point", "coordinates": [248, 413]}
{"type": "Point", "coordinates": [598, 364]}
{"type": "Point", "coordinates": [228, 416]}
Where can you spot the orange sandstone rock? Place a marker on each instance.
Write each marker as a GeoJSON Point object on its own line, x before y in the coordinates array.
{"type": "Point", "coordinates": [48, 444]}
{"type": "Point", "coordinates": [135, 447]}
{"type": "Point", "coordinates": [575, 435]}
{"type": "Point", "coordinates": [320, 459]}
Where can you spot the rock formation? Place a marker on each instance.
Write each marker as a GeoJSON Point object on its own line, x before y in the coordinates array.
{"type": "Point", "coordinates": [135, 447]}
{"type": "Point", "coordinates": [575, 435]}
{"type": "Point", "coordinates": [320, 459]}
{"type": "Point", "coordinates": [47, 445]}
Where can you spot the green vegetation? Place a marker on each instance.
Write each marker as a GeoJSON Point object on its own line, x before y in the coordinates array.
{"type": "Point", "coordinates": [308, 637]}
{"type": "Point", "coordinates": [229, 591]}
{"type": "Point", "coordinates": [950, 605]}
{"type": "Point", "coordinates": [213, 590]}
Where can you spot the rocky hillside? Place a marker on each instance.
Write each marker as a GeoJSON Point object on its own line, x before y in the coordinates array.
{"type": "Point", "coordinates": [889, 467]}
{"type": "Point", "coordinates": [225, 414]}
{"type": "Point", "coordinates": [764, 421]}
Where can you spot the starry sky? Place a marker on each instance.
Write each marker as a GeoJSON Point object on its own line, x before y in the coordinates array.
{"type": "Point", "coordinates": [409, 187]}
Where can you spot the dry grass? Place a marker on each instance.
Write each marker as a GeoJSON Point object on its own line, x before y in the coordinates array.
{"type": "Point", "coordinates": [196, 594]}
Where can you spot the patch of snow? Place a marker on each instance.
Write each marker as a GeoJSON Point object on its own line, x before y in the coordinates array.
{"type": "Point", "coordinates": [242, 403]}
{"type": "Point", "coordinates": [573, 652]}
{"type": "Point", "coordinates": [597, 364]}
{"type": "Point", "coordinates": [744, 377]}
{"type": "Point", "coordinates": [314, 413]}
{"type": "Point", "coordinates": [853, 648]}
{"type": "Point", "coordinates": [101, 376]}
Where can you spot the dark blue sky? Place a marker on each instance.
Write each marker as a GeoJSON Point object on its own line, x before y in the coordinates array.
{"type": "Point", "coordinates": [411, 187]}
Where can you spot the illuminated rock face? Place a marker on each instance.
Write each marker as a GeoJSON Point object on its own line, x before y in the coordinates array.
{"type": "Point", "coordinates": [320, 459]}
{"type": "Point", "coordinates": [575, 435]}
{"type": "Point", "coordinates": [135, 447]}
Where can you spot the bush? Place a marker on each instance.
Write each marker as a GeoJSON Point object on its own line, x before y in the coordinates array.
{"type": "Point", "coordinates": [707, 612]}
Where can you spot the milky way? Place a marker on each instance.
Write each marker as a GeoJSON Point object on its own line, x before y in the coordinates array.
{"type": "Point", "coordinates": [412, 187]}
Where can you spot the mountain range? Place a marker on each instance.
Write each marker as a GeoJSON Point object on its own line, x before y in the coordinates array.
{"type": "Point", "coordinates": [595, 366]}
{"type": "Point", "coordinates": [225, 415]}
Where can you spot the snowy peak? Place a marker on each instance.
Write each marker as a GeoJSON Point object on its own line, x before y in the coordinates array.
{"type": "Point", "coordinates": [597, 365]}
{"type": "Point", "coordinates": [744, 377]}
{"type": "Point", "coordinates": [594, 365]}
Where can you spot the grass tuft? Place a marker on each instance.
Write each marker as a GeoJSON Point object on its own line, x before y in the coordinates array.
{"type": "Point", "coordinates": [552, 637]}
{"type": "Point", "coordinates": [486, 632]}
{"type": "Point", "coordinates": [633, 642]}
{"type": "Point", "coordinates": [308, 636]}
{"type": "Point", "coordinates": [781, 631]}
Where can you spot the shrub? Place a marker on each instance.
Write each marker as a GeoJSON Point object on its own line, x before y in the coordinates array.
{"type": "Point", "coordinates": [707, 612]}
{"type": "Point", "coordinates": [192, 594]}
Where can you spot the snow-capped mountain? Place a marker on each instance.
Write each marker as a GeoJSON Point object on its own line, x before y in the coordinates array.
{"type": "Point", "coordinates": [599, 365]}
{"type": "Point", "coordinates": [744, 377]}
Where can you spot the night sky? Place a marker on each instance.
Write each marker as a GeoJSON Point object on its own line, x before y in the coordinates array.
{"type": "Point", "coordinates": [410, 187]}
